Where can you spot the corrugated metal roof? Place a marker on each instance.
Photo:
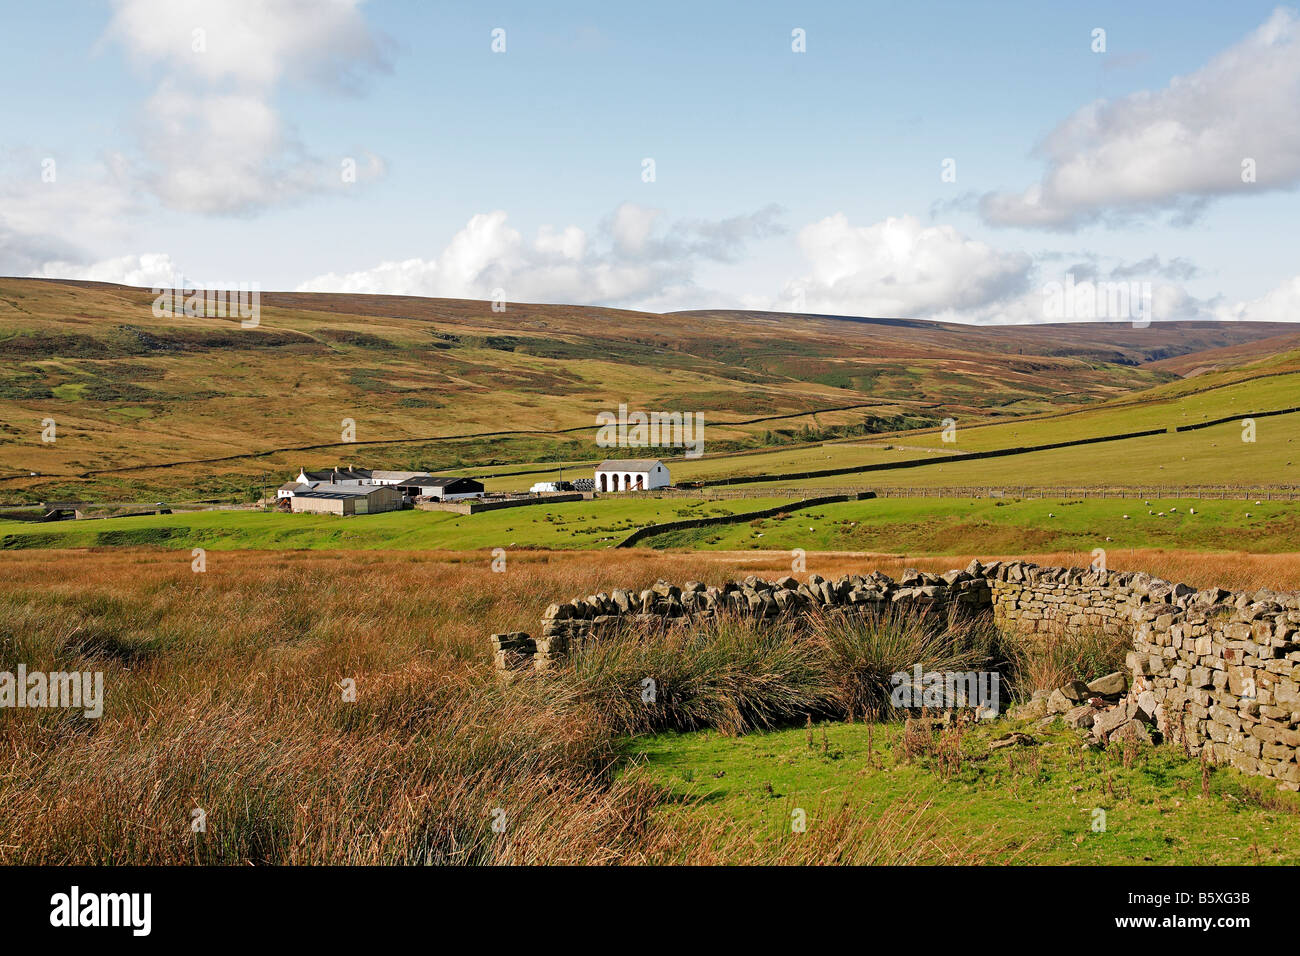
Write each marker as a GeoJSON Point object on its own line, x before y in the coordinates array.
{"type": "Point", "coordinates": [326, 490]}
{"type": "Point", "coordinates": [443, 481]}
{"type": "Point", "coordinates": [328, 474]}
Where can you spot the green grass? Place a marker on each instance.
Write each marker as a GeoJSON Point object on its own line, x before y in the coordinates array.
{"type": "Point", "coordinates": [1209, 456]}
{"type": "Point", "coordinates": [1165, 406]}
{"type": "Point", "coordinates": [585, 524]}
{"type": "Point", "coordinates": [1033, 804]}
{"type": "Point", "coordinates": [1006, 525]}
{"type": "Point", "coordinates": [891, 525]}
{"type": "Point", "coordinates": [800, 458]}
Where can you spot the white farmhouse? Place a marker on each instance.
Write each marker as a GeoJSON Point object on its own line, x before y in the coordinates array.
{"type": "Point", "coordinates": [631, 474]}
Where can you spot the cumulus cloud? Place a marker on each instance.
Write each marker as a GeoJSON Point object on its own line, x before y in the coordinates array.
{"type": "Point", "coordinates": [209, 138]}
{"type": "Point", "coordinates": [1175, 268]}
{"type": "Point", "coordinates": [150, 269]}
{"type": "Point", "coordinates": [214, 141]}
{"type": "Point", "coordinates": [1281, 304]}
{"type": "Point", "coordinates": [51, 209]}
{"type": "Point", "coordinates": [899, 268]}
{"type": "Point", "coordinates": [635, 233]}
{"type": "Point", "coordinates": [22, 252]}
{"type": "Point", "coordinates": [1174, 149]}
{"type": "Point", "coordinates": [252, 44]}
{"type": "Point", "coordinates": [634, 257]}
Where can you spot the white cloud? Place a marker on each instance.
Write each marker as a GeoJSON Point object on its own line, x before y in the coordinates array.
{"type": "Point", "coordinates": [568, 243]}
{"type": "Point", "coordinates": [1281, 304]}
{"type": "Point", "coordinates": [150, 270]}
{"type": "Point", "coordinates": [251, 44]}
{"type": "Point", "coordinates": [899, 268]}
{"type": "Point", "coordinates": [52, 209]}
{"type": "Point", "coordinates": [1176, 148]}
{"type": "Point", "coordinates": [213, 139]}
{"type": "Point", "coordinates": [635, 258]}
{"type": "Point", "coordinates": [630, 226]}
{"type": "Point", "coordinates": [210, 139]}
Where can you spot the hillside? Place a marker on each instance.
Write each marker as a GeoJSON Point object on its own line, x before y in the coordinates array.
{"type": "Point", "coordinates": [1278, 349]}
{"type": "Point", "coordinates": [1172, 437]}
{"type": "Point", "coordinates": [442, 384]}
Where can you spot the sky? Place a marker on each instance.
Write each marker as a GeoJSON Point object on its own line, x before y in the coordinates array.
{"type": "Point", "coordinates": [940, 160]}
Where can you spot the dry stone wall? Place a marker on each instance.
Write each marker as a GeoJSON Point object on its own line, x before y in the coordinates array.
{"type": "Point", "coordinates": [1213, 669]}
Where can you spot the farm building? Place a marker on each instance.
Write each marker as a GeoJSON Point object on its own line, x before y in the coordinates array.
{"type": "Point", "coordinates": [415, 484]}
{"type": "Point", "coordinates": [631, 474]}
{"type": "Point", "coordinates": [359, 476]}
{"type": "Point", "coordinates": [450, 489]}
{"type": "Point", "coordinates": [346, 499]}
{"type": "Point", "coordinates": [340, 476]}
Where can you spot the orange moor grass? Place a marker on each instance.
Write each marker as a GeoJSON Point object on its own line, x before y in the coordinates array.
{"type": "Point", "coordinates": [339, 708]}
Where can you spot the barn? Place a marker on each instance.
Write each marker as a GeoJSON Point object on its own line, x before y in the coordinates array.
{"type": "Point", "coordinates": [349, 499]}
{"type": "Point", "coordinates": [631, 474]}
{"type": "Point", "coordinates": [450, 489]}
{"type": "Point", "coordinates": [340, 476]}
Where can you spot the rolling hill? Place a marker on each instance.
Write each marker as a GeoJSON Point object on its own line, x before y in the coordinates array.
{"type": "Point", "coordinates": [182, 407]}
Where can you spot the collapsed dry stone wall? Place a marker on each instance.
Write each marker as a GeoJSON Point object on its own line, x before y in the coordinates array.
{"type": "Point", "coordinates": [1216, 670]}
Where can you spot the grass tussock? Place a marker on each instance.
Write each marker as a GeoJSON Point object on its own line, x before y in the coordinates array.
{"type": "Point", "coordinates": [225, 703]}
{"type": "Point", "coordinates": [736, 674]}
{"type": "Point", "coordinates": [1052, 660]}
{"type": "Point", "coordinates": [225, 695]}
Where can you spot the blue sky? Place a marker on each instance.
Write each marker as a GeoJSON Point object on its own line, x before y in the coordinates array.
{"type": "Point", "coordinates": [801, 181]}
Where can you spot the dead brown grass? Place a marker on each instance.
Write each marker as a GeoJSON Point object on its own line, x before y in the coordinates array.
{"type": "Point", "coordinates": [224, 695]}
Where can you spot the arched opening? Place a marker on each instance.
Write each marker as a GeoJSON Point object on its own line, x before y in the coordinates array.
{"type": "Point", "coordinates": [604, 484]}
{"type": "Point", "coordinates": [640, 482]}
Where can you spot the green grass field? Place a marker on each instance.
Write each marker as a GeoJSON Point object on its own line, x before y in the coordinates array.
{"type": "Point", "coordinates": [1216, 396]}
{"type": "Point", "coordinates": [578, 524]}
{"type": "Point", "coordinates": [1004, 526]}
{"type": "Point", "coordinates": [918, 526]}
{"type": "Point", "coordinates": [1028, 804]}
{"type": "Point", "coordinates": [798, 458]}
{"type": "Point", "coordinates": [1215, 455]}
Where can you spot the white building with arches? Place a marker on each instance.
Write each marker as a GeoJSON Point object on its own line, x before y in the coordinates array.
{"type": "Point", "coordinates": [631, 474]}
